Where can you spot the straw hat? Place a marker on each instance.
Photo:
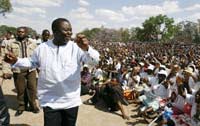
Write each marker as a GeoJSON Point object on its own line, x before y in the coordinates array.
{"type": "Point", "coordinates": [188, 70]}
{"type": "Point", "coordinates": [141, 64]}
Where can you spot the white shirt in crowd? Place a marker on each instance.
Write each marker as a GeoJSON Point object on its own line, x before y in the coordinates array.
{"type": "Point", "coordinates": [172, 87]}
{"type": "Point", "coordinates": [98, 73]}
{"type": "Point", "coordinates": [59, 77]}
{"type": "Point", "coordinates": [192, 84]}
{"type": "Point", "coordinates": [118, 66]}
{"type": "Point", "coordinates": [179, 102]}
{"type": "Point", "coordinates": [153, 81]}
{"type": "Point", "coordinates": [161, 91]}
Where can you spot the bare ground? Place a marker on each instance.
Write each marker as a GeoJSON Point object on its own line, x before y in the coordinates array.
{"type": "Point", "coordinates": [88, 115]}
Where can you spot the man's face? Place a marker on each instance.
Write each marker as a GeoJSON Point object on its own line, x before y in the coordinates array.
{"type": "Point", "coordinates": [8, 36]}
{"type": "Point", "coordinates": [21, 33]}
{"type": "Point", "coordinates": [186, 75]}
{"type": "Point", "coordinates": [45, 36]}
{"type": "Point", "coordinates": [173, 96]}
{"type": "Point", "coordinates": [161, 77]}
{"type": "Point", "coordinates": [64, 32]}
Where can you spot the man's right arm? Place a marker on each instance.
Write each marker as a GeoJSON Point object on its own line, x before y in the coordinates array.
{"type": "Point", "coordinates": [31, 62]}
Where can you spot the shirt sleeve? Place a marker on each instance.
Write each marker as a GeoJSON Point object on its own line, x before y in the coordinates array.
{"type": "Point", "coordinates": [90, 57]}
{"type": "Point", "coordinates": [30, 62]}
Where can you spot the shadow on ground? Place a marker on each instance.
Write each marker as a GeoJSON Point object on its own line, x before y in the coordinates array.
{"type": "Point", "coordinates": [11, 101]}
{"type": "Point", "coordinates": [137, 122]}
{"type": "Point", "coordinates": [101, 105]}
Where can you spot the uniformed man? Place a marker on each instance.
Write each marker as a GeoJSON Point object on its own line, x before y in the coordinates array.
{"type": "Point", "coordinates": [24, 79]}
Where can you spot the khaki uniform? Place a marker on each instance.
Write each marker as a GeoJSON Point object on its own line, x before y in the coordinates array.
{"type": "Point", "coordinates": [4, 69]}
{"type": "Point", "coordinates": [16, 48]}
{"type": "Point", "coordinates": [24, 79]}
{"type": "Point", "coordinates": [6, 43]}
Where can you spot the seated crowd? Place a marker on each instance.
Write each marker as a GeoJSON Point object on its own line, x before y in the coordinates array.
{"type": "Point", "coordinates": [151, 75]}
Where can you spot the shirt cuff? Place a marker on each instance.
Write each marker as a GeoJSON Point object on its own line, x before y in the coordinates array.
{"type": "Point", "coordinates": [14, 65]}
{"type": "Point", "coordinates": [93, 54]}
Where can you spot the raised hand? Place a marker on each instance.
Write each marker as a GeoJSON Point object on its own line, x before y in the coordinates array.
{"type": "Point", "coordinates": [82, 42]}
{"type": "Point", "coordinates": [10, 58]}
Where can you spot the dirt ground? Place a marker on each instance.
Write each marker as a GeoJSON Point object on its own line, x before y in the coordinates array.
{"type": "Point", "coordinates": [88, 115]}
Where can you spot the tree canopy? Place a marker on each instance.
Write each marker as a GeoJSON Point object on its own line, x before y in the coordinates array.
{"type": "Point", "coordinates": [5, 6]}
{"type": "Point", "coordinates": [5, 28]}
{"type": "Point", "coordinates": [188, 32]}
{"type": "Point", "coordinates": [157, 28]}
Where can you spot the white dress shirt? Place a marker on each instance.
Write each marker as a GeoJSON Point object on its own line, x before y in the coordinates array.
{"type": "Point", "coordinates": [59, 76]}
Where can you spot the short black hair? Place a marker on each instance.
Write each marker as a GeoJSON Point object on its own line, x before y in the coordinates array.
{"type": "Point", "coordinates": [44, 31]}
{"type": "Point", "coordinates": [23, 27]}
{"type": "Point", "coordinates": [57, 22]}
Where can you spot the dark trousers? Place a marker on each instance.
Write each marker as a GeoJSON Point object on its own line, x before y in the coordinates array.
{"type": "Point", "coordinates": [61, 117]}
{"type": "Point", "coordinates": [84, 90]}
{"type": "Point", "coordinates": [25, 83]}
{"type": "Point", "coordinates": [4, 115]}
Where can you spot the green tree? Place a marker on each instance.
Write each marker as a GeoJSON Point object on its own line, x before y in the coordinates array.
{"type": "Point", "coordinates": [103, 34]}
{"type": "Point", "coordinates": [188, 31]}
{"type": "Point", "coordinates": [132, 33]}
{"type": "Point", "coordinates": [4, 29]}
{"type": "Point", "coordinates": [157, 28]}
{"type": "Point", "coordinates": [5, 6]}
{"type": "Point", "coordinates": [31, 32]}
{"type": "Point", "coordinates": [91, 34]}
{"type": "Point", "coordinates": [196, 38]}
{"type": "Point", "coordinates": [125, 35]}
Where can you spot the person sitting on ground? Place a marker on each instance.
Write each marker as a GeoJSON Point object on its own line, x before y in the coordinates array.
{"type": "Point", "coordinates": [85, 81]}
{"type": "Point", "coordinates": [111, 92]}
{"type": "Point", "coordinates": [150, 99]}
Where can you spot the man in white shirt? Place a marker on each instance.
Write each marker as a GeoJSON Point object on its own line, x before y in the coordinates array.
{"type": "Point", "coordinates": [59, 61]}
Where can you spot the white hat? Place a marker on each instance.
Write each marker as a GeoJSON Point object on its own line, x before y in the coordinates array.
{"type": "Point", "coordinates": [163, 72]}
{"type": "Point", "coordinates": [151, 67]}
{"type": "Point", "coordinates": [141, 63]}
{"type": "Point", "coordinates": [85, 65]}
{"type": "Point", "coordinates": [163, 66]}
{"type": "Point", "coordinates": [192, 66]}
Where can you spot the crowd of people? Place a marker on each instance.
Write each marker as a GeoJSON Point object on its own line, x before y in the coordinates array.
{"type": "Point", "coordinates": [154, 74]}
